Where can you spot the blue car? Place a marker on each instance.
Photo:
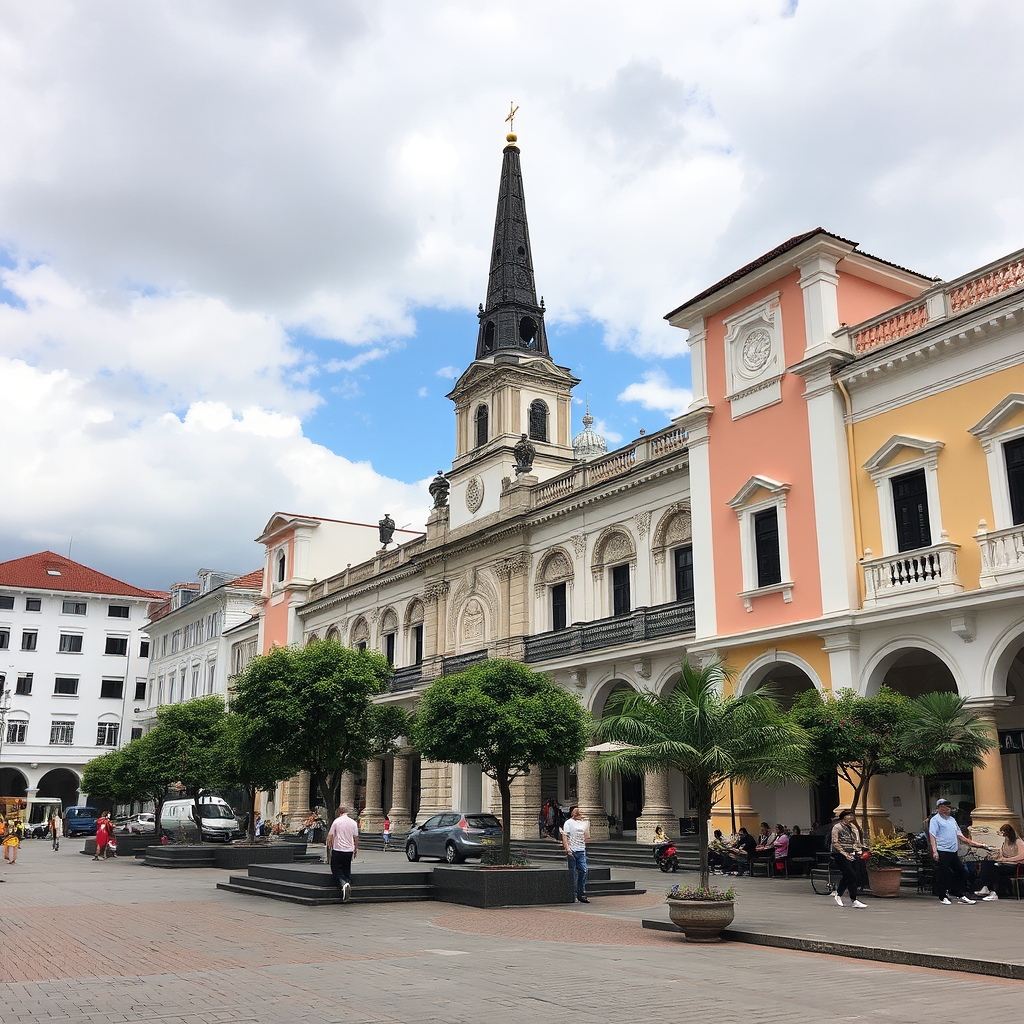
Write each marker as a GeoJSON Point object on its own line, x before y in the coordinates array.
{"type": "Point", "coordinates": [80, 821]}
{"type": "Point", "coordinates": [452, 836]}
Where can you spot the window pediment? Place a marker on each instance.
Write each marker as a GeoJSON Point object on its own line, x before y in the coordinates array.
{"type": "Point", "coordinates": [995, 421]}
{"type": "Point", "coordinates": [758, 488]}
{"type": "Point", "coordinates": [899, 444]}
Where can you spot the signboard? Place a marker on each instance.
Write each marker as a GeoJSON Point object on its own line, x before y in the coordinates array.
{"type": "Point", "coordinates": [1011, 741]}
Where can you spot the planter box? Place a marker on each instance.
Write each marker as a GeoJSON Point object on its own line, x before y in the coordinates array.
{"type": "Point", "coordinates": [178, 856]}
{"type": "Point", "coordinates": [234, 857]}
{"type": "Point", "coordinates": [701, 920]}
{"type": "Point", "coordinates": [519, 887]}
{"type": "Point", "coordinates": [885, 882]}
{"type": "Point", "coordinates": [127, 845]}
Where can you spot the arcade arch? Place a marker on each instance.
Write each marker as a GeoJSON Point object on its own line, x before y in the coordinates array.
{"type": "Point", "coordinates": [60, 782]}
{"type": "Point", "coordinates": [13, 782]}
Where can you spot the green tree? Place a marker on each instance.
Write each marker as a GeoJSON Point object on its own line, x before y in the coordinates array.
{"type": "Point", "coordinates": [314, 707]}
{"type": "Point", "coordinates": [504, 717]}
{"type": "Point", "coordinates": [861, 738]}
{"type": "Point", "coordinates": [708, 736]}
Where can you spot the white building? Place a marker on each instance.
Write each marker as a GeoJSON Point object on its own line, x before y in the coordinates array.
{"type": "Point", "coordinates": [74, 662]}
{"type": "Point", "coordinates": [190, 654]}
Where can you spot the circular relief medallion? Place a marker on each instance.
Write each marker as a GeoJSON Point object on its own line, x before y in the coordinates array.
{"type": "Point", "coordinates": [757, 350]}
{"type": "Point", "coordinates": [474, 493]}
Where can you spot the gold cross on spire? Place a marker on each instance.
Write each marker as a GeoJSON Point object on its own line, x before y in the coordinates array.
{"type": "Point", "coordinates": [512, 110]}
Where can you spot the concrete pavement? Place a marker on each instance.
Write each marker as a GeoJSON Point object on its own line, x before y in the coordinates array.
{"type": "Point", "coordinates": [121, 942]}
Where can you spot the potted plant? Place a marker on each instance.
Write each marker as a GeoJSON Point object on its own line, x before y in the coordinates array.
{"type": "Point", "coordinates": [710, 737]}
{"type": "Point", "coordinates": [884, 871]}
{"type": "Point", "coordinates": [701, 912]}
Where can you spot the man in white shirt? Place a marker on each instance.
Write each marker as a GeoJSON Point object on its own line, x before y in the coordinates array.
{"type": "Point", "coordinates": [945, 837]}
{"type": "Point", "coordinates": [575, 833]}
{"type": "Point", "coordinates": [343, 844]}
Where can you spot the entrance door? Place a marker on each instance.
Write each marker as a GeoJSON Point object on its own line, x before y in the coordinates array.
{"type": "Point", "coordinates": [632, 802]}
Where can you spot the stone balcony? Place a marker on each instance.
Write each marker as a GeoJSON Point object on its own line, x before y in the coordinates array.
{"type": "Point", "coordinates": [1002, 555]}
{"type": "Point", "coordinates": [911, 575]}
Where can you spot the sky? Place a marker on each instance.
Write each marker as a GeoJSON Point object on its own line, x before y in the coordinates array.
{"type": "Point", "coordinates": [242, 242]}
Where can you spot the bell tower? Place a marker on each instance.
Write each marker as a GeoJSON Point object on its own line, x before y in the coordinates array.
{"type": "Point", "coordinates": [512, 387]}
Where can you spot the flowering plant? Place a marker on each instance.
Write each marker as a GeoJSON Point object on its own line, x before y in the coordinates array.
{"type": "Point", "coordinates": [700, 892]}
{"type": "Point", "coordinates": [886, 849]}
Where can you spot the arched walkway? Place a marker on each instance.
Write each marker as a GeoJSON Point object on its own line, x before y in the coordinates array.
{"type": "Point", "coordinates": [623, 796]}
{"type": "Point", "coordinates": [62, 783]}
{"type": "Point", "coordinates": [12, 782]}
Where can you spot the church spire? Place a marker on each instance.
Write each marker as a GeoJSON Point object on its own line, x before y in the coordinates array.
{"type": "Point", "coordinates": [511, 320]}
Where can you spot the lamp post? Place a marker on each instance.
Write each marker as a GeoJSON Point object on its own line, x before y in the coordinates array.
{"type": "Point", "coordinates": [5, 707]}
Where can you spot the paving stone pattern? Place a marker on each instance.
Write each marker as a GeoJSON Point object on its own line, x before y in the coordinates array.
{"type": "Point", "coordinates": [119, 942]}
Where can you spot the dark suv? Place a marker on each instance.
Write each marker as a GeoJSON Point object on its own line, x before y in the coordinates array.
{"type": "Point", "coordinates": [452, 836]}
{"type": "Point", "coordinates": [80, 821]}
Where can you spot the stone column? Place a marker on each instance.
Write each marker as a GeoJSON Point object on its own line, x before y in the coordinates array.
{"type": "Point", "coordinates": [525, 805]}
{"type": "Point", "coordinates": [878, 817]}
{"type": "Point", "coordinates": [292, 800]}
{"type": "Point", "coordinates": [373, 813]}
{"type": "Point", "coordinates": [435, 789]}
{"type": "Point", "coordinates": [723, 812]}
{"type": "Point", "coordinates": [348, 793]}
{"type": "Point", "coordinates": [400, 813]}
{"type": "Point", "coordinates": [657, 809]}
{"type": "Point", "coordinates": [588, 781]}
{"type": "Point", "coordinates": [992, 810]}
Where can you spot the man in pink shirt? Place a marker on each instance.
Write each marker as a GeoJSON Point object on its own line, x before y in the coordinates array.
{"type": "Point", "coordinates": [343, 844]}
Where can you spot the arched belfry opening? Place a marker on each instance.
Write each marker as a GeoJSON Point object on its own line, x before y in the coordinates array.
{"type": "Point", "coordinates": [481, 425]}
{"type": "Point", "coordinates": [538, 421]}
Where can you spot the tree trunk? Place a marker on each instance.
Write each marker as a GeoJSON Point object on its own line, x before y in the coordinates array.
{"type": "Point", "coordinates": [505, 789]}
{"type": "Point", "coordinates": [323, 787]}
{"type": "Point", "coordinates": [158, 806]}
{"type": "Point", "coordinates": [250, 811]}
{"type": "Point", "coordinates": [198, 817]}
{"type": "Point", "coordinates": [703, 795]}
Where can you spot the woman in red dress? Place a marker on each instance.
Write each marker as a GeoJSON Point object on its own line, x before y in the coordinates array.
{"type": "Point", "coordinates": [103, 829]}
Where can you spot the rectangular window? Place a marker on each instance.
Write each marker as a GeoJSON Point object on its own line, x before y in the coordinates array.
{"type": "Point", "coordinates": [112, 689]}
{"type": "Point", "coordinates": [159, 690]}
{"type": "Point", "coordinates": [72, 607]}
{"type": "Point", "coordinates": [137, 733]}
{"type": "Point", "coordinates": [620, 590]}
{"type": "Point", "coordinates": [195, 681]}
{"type": "Point", "coordinates": [163, 646]}
{"type": "Point", "coordinates": [24, 685]}
{"type": "Point", "coordinates": [1014, 454]}
{"type": "Point", "coordinates": [33, 604]}
{"type": "Point", "coordinates": [910, 503]}
{"type": "Point", "coordinates": [175, 641]}
{"type": "Point", "coordinates": [143, 648]}
{"type": "Point", "coordinates": [62, 734]}
{"type": "Point", "coordinates": [389, 648]}
{"type": "Point", "coordinates": [684, 573]}
{"type": "Point", "coordinates": [766, 547]}
{"type": "Point", "coordinates": [106, 734]}
{"type": "Point", "coordinates": [28, 640]}
{"type": "Point", "coordinates": [417, 644]}
{"type": "Point", "coordinates": [70, 643]}
{"type": "Point", "coordinates": [5, 639]}
{"type": "Point", "coordinates": [16, 732]}
{"type": "Point", "coordinates": [116, 645]}
{"type": "Point", "coordinates": [558, 606]}
{"type": "Point", "coordinates": [170, 688]}
{"type": "Point", "coordinates": [118, 611]}
{"type": "Point", "coordinates": [65, 686]}
{"type": "Point", "coordinates": [140, 689]}
{"type": "Point", "coordinates": [6, 603]}
{"type": "Point", "coordinates": [361, 645]}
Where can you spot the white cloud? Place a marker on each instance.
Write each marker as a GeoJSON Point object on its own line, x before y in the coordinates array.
{"type": "Point", "coordinates": [449, 372]}
{"type": "Point", "coordinates": [423, 392]}
{"type": "Point", "coordinates": [657, 393]}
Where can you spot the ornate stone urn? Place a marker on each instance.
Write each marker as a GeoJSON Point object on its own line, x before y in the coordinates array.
{"type": "Point", "coordinates": [701, 920]}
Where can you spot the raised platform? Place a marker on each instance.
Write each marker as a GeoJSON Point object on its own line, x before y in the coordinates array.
{"type": "Point", "coordinates": [228, 857]}
{"type": "Point", "coordinates": [312, 886]}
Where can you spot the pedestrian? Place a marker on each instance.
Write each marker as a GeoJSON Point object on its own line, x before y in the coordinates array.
{"type": "Point", "coordinates": [343, 845]}
{"type": "Point", "coordinates": [11, 843]}
{"type": "Point", "coordinates": [944, 838]}
{"type": "Point", "coordinates": [847, 854]}
{"type": "Point", "coordinates": [575, 834]}
{"type": "Point", "coordinates": [1006, 864]}
{"type": "Point", "coordinates": [55, 831]}
{"type": "Point", "coordinates": [387, 833]}
{"type": "Point", "coordinates": [542, 820]}
{"type": "Point", "coordinates": [103, 830]}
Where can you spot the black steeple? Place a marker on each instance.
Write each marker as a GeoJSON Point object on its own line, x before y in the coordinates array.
{"type": "Point", "coordinates": [511, 322]}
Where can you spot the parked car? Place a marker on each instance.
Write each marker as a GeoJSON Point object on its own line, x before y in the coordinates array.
{"type": "Point", "coordinates": [80, 821]}
{"type": "Point", "coordinates": [219, 822]}
{"type": "Point", "coordinates": [143, 823]}
{"type": "Point", "coordinates": [452, 836]}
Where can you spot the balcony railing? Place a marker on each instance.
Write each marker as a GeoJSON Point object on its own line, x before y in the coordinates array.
{"type": "Point", "coordinates": [1002, 556]}
{"type": "Point", "coordinates": [406, 678]}
{"type": "Point", "coordinates": [458, 662]}
{"type": "Point", "coordinates": [911, 575]}
{"type": "Point", "coordinates": [662, 620]}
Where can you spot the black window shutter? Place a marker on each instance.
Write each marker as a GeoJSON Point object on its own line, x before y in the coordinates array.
{"type": "Point", "coordinates": [766, 544]}
{"type": "Point", "coordinates": [1014, 453]}
{"type": "Point", "coordinates": [910, 504]}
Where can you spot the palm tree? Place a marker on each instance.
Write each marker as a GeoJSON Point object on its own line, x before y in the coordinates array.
{"type": "Point", "coordinates": [944, 735]}
{"type": "Point", "coordinates": [707, 735]}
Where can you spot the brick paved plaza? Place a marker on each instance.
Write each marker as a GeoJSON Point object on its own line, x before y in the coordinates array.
{"type": "Point", "coordinates": [119, 941]}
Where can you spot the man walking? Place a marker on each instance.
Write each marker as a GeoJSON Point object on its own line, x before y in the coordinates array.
{"type": "Point", "coordinates": [343, 845]}
{"type": "Point", "coordinates": [575, 834]}
{"type": "Point", "coordinates": [944, 837]}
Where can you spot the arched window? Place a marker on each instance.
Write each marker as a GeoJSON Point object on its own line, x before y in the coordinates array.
{"type": "Point", "coordinates": [538, 421]}
{"type": "Point", "coordinates": [489, 336]}
{"type": "Point", "coordinates": [481, 425]}
{"type": "Point", "coordinates": [280, 567]}
{"type": "Point", "coordinates": [528, 331]}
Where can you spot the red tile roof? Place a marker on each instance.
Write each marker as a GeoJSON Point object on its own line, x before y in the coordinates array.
{"type": "Point", "coordinates": [250, 581]}
{"type": "Point", "coordinates": [31, 573]}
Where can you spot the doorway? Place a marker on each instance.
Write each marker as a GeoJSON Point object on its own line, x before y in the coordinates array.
{"type": "Point", "coordinates": [632, 801]}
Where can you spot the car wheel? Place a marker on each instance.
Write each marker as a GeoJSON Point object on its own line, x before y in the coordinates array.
{"type": "Point", "coordinates": [411, 852]}
{"type": "Point", "coordinates": [451, 855]}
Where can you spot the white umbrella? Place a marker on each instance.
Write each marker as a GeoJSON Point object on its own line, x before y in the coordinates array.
{"type": "Point", "coordinates": [607, 748]}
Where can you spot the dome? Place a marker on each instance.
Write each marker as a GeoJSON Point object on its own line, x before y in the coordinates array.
{"type": "Point", "coordinates": [588, 444]}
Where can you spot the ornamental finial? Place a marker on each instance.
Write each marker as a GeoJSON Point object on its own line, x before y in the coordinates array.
{"type": "Point", "coordinates": [511, 119]}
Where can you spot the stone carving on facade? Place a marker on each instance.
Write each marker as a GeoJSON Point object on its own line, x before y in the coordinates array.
{"type": "Point", "coordinates": [436, 590]}
{"type": "Point", "coordinates": [360, 631]}
{"type": "Point", "coordinates": [643, 523]}
{"type": "Point", "coordinates": [474, 494]}
{"type": "Point", "coordinates": [673, 529]}
{"type": "Point", "coordinates": [525, 454]}
{"type": "Point", "coordinates": [578, 676]}
{"type": "Point", "coordinates": [439, 488]}
{"type": "Point", "coordinates": [473, 623]}
{"type": "Point", "coordinates": [642, 667]}
{"type": "Point", "coordinates": [579, 543]}
{"type": "Point", "coordinates": [375, 616]}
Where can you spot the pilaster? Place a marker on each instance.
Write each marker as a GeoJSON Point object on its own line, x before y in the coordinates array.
{"type": "Point", "coordinates": [588, 781]}
{"type": "Point", "coordinates": [400, 812]}
{"type": "Point", "coordinates": [992, 810]}
{"type": "Point", "coordinates": [373, 812]}
{"type": "Point", "coordinates": [657, 808]}
{"type": "Point", "coordinates": [435, 789]}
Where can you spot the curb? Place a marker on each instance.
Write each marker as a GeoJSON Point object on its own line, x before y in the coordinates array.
{"type": "Point", "coordinates": [903, 957]}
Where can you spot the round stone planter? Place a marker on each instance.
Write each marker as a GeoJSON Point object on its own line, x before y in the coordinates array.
{"type": "Point", "coordinates": [701, 920]}
{"type": "Point", "coordinates": [885, 882]}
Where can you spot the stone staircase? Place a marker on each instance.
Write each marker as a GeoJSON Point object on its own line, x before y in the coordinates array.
{"type": "Point", "coordinates": [311, 885]}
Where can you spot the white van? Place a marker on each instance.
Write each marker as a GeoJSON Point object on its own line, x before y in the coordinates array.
{"type": "Point", "coordinates": [219, 823]}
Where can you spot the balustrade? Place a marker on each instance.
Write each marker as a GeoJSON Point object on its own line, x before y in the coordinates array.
{"type": "Point", "coordinates": [911, 574]}
{"type": "Point", "coordinates": [1002, 555]}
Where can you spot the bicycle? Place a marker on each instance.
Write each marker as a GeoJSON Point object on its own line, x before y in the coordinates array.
{"type": "Point", "coordinates": [825, 879]}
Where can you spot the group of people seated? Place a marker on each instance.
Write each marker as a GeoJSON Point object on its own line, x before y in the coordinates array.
{"type": "Point", "coordinates": [736, 855]}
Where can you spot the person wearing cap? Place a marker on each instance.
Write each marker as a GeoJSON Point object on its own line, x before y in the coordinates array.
{"type": "Point", "coordinates": [945, 837]}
